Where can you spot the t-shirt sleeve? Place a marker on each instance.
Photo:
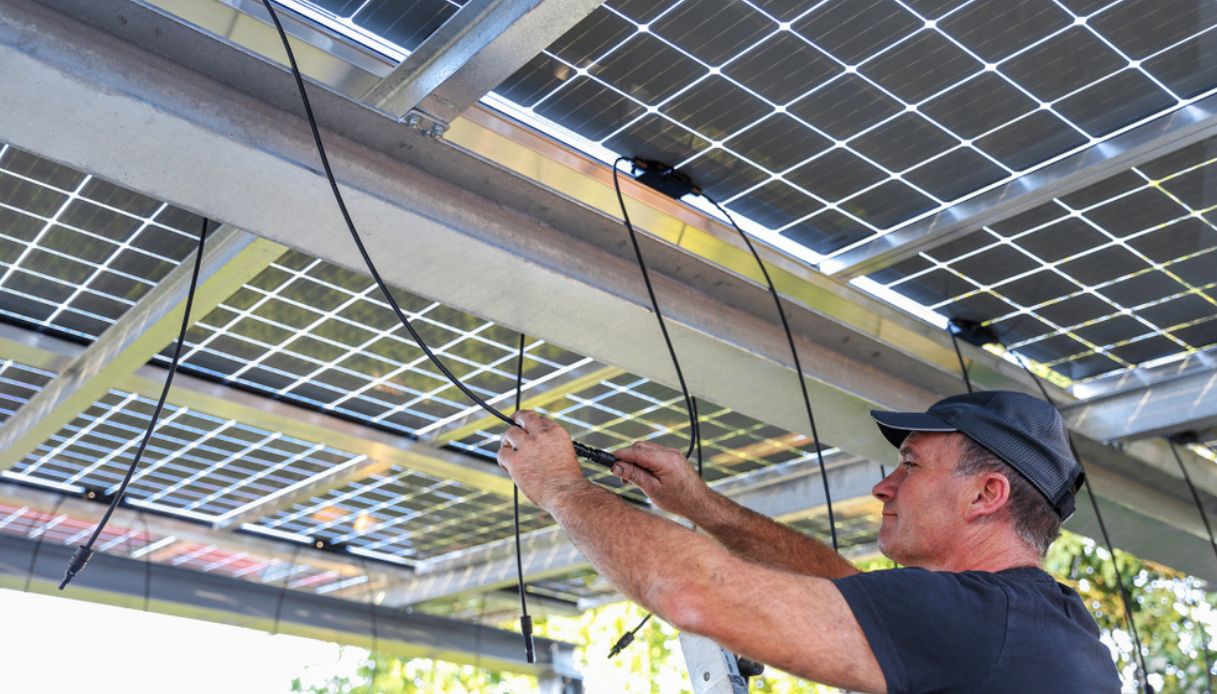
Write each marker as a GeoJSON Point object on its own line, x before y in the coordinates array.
{"type": "Point", "coordinates": [929, 630]}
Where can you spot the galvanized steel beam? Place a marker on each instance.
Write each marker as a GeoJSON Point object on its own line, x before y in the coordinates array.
{"type": "Point", "coordinates": [479, 47]}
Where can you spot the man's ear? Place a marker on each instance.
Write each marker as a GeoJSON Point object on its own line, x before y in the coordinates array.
{"type": "Point", "coordinates": [990, 492]}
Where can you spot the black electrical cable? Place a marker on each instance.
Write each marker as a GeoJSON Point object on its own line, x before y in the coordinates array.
{"type": "Point", "coordinates": [1125, 596]}
{"type": "Point", "coordinates": [694, 433]}
{"type": "Point", "coordinates": [287, 579]}
{"type": "Point", "coordinates": [85, 552]}
{"type": "Point", "coordinates": [1204, 516]}
{"type": "Point", "coordinates": [530, 653]}
{"type": "Point", "coordinates": [798, 366]}
{"type": "Point", "coordinates": [29, 576]}
{"type": "Point", "coordinates": [147, 562]}
{"type": "Point", "coordinates": [690, 401]}
{"type": "Point", "coordinates": [963, 368]}
{"type": "Point", "coordinates": [367, 574]}
{"type": "Point", "coordinates": [594, 454]}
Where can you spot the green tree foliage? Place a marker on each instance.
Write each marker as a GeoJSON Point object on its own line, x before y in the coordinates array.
{"type": "Point", "coordinates": [1174, 616]}
{"type": "Point", "coordinates": [1172, 611]}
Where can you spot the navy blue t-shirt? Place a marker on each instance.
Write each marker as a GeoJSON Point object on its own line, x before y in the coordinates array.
{"type": "Point", "coordinates": [1011, 631]}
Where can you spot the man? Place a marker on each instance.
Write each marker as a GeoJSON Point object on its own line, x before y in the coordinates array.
{"type": "Point", "coordinates": [983, 483]}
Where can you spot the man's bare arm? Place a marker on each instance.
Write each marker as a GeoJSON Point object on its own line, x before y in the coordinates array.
{"type": "Point", "coordinates": [797, 623]}
{"type": "Point", "coordinates": [670, 482]}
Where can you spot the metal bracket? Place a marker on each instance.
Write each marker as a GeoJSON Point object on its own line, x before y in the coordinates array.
{"type": "Point", "coordinates": [425, 124]}
{"type": "Point", "coordinates": [712, 670]}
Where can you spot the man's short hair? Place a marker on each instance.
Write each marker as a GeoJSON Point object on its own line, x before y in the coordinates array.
{"type": "Point", "coordinates": [1035, 521]}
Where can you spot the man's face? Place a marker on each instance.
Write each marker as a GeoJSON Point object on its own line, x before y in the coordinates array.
{"type": "Point", "coordinates": [923, 501]}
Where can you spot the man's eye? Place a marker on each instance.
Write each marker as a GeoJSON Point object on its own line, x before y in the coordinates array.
{"type": "Point", "coordinates": [910, 464]}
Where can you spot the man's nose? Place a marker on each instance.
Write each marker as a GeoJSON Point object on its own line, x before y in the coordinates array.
{"type": "Point", "coordinates": [885, 491]}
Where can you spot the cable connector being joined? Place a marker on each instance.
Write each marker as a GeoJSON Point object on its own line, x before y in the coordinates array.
{"type": "Point", "coordinates": [81, 557]}
{"type": "Point", "coordinates": [595, 455]}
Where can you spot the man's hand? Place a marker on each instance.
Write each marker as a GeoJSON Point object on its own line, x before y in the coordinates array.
{"type": "Point", "coordinates": [538, 455]}
{"type": "Point", "coordinates": [664, 474]}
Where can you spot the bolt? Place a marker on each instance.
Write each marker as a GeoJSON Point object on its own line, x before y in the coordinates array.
{"type": "Point", "coordinates": [706, 676]}
{"type": "Point", "coordinates": [437, 129]}
{"type": "Point", "coordinates": [412, 120]}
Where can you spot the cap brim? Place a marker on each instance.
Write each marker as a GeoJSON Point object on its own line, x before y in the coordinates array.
{"type": "Point", "coordinates": [896, 426]}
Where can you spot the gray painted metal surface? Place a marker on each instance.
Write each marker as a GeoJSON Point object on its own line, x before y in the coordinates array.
{"type": "Point", "coordinates": [1187, 403]}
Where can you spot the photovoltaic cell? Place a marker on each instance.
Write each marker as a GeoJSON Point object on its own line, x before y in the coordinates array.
{"type": "Point", "coordinates": [834, 122]}
{"type": "Point", "coordinates": [137, 542]}
{"type": "Point", "coordinates": [855, 528]}
{"type": "Point", "coordinates": [1012, 86]}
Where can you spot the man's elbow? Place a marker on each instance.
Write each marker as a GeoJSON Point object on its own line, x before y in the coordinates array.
{"type": "Point", "coordinates": [687, 608]}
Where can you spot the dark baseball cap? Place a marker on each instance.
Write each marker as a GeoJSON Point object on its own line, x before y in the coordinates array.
{"type": "Point", "coordinates": [1026, 432]}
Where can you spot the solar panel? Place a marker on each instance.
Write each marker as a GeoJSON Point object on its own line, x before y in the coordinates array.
{"type": "Point", "coordinates": [1111, 277]}
{"type": "Point", "coordinates": [196, 465]}
{"type": "Point", "coordinates": [406, 515]}
{"type": "Point", "coordinates": [312, 333]}
{"type": "Point", "coordinates": [75, 251]}
{"type": "Point", "coordinates": [888, 111]}
{"type": "Point", "coordinates": [855, 527]}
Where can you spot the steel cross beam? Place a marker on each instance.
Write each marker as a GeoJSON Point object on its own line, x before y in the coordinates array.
{"type": "Point", "coordinates": [230, 259]}
{"type": "Point", "coordinates": [1186, 403]}
{"type": "Point", "coordinates": [479, 47]}
{"type": "Point", "coordinates": [120, 581]}
{"type": "Point", "coordinates": [1165, 134]}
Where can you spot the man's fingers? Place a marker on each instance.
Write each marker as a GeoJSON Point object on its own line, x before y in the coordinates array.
{"type": "Point", "coordinates": [506, 456]}
{"type": "Point", "coordinates": [633, 473]}
{"type": "Point", "coordinates": [527, 419]}
{"type": "Point", "coordinates": [650, 456]}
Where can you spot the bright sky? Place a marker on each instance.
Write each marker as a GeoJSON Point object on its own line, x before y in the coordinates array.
{"type": "Point", "coordinates": [57, 645]}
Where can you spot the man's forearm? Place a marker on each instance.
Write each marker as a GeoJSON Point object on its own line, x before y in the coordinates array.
{"type": "Point", "coordinates": [764, 541]}
{"type": "Point", "coordinates": [633, 549]}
